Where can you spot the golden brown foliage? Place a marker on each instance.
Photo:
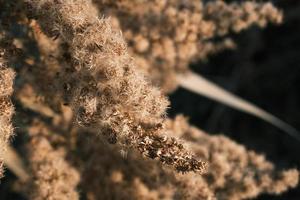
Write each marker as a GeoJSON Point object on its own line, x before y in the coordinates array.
{"type": "Point", "coordinates": [165, 36]}
{"type": "Point", "coordinates": [7, 76]}
{"type": "Point", "coordinates": [85, 70]}
{"type": "Point", "coordinates": [234, 172]}
{"type": "Point", "coordinates": [110, 94]}
{"type": "Point", "coordinates": [52, 177]}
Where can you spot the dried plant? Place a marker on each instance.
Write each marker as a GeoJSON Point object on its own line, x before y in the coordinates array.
{"type": "Point", "coordinates": [7, 76]}
{"type": "Point", "coordinates": [234, 172]}
{"type": "Point", "coordinates": [101, 69]}
{"type": "Point", "coordinates": [165, 36]}
{"type": "Point", "coordinates": [111, 95]}
{"type": "Point", "coordinates": [52, 177]}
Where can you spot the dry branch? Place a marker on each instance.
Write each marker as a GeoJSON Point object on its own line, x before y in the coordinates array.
{"type": "Point", "coordinates": [107, 91]}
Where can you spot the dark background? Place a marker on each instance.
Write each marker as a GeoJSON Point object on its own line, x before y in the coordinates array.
{"type": "Point", "coordinates": [264, 69]}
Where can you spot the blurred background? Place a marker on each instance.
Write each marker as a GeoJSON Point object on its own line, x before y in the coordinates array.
{"type": "Point", "coordinates": [264, 69]}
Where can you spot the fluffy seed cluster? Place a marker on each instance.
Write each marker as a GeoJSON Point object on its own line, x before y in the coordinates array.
{"type": "Point", "coordinates": [105, 89]}
{"type": "Point", "coordinates": [132, 177]}
{"type": "Point", "coordinates": [239, 16]}
{"type": "Point", "coordinates": [165, 36]}
{"type": "Point", "coordinates": [52, 177]}
{"type": "Point", "coordinates": [84, 69]}
{"type": "Point", "coordinates": [234, 172]}
{"type": "Point", "coordinates": [7, 76]}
